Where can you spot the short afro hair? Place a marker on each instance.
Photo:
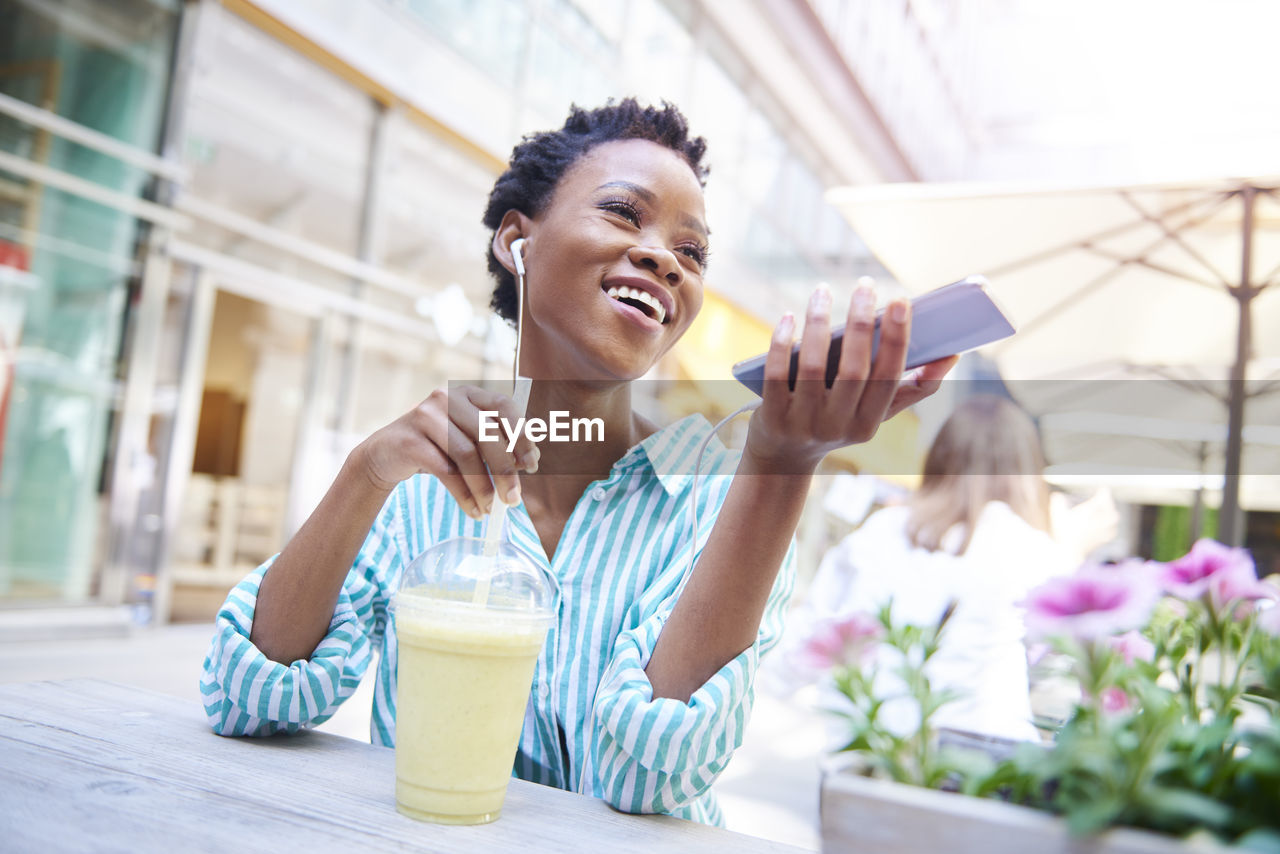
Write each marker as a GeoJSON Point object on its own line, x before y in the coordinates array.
{"type": "Point", "coordinates": [541, 160]}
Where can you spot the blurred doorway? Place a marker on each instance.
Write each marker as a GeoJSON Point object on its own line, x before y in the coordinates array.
{"type": "Point", "coordinates": [250, 425]}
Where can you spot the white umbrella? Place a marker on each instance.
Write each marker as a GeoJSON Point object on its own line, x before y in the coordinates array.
{"type": "Point", "coordinates": [1170, 284]}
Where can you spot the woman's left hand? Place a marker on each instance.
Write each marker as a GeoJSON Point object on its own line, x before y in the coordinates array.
{"type": "Point", "coordinates": [795, 428]}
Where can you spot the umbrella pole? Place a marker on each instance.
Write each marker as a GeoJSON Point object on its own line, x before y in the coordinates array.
{"type": "Point", "coordinates": [1197, 501]}
{"type": "Point", "coordinates": [1231, 528]}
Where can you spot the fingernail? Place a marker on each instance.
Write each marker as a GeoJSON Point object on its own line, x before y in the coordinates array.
{"type": "Point", "coordinates": [864, 301]}
{"type": "Point", "coordinates": [898, 311]}
{"type": "Point", "coordinates": [529, 460]}
{"type": "Point", "coordinates": [786, 327]}
{"type": "Point", "coordinates": [513, 497]}
{"type": "Point", "coordinates": [473, 510]}
{"type": "Point", "coordinates": [820, 301]}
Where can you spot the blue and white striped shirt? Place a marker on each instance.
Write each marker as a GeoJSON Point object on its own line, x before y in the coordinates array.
{"type": "Point", "coordinates": [592, 724]}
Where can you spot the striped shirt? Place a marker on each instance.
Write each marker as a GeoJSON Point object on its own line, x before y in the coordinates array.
{"type": "Point", "coordinates": [592, 724]}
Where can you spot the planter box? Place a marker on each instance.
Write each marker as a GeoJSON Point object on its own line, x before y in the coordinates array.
{"type": "Point", "coordinates": [864, 814]}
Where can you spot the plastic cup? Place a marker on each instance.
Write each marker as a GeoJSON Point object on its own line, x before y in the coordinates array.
{"type": "Point", "coordinates": [469, 628]}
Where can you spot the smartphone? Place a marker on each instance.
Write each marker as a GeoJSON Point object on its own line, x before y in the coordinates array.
{"type": "Point", "coordinates": [944, 322]}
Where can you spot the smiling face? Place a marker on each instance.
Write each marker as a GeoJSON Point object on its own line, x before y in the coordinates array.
{"type": "Point", "coordinates": [615, 264]}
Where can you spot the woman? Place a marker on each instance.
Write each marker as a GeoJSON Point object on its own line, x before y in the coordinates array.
{"type": "Point", "coordinates": [645, 702]}
{"type": "Point", "coordinates": [977, 532]}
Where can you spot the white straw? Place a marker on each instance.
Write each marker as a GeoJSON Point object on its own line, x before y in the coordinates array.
{"type": "Point", "coordinates": [498, 513]}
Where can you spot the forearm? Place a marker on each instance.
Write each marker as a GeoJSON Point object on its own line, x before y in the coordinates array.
{"type": "Point", "coordinates": [718, 614]}
{"type": "Point", "coordinates": [300, 591]}
{"type": "Point", "coordinates": [798, 422]}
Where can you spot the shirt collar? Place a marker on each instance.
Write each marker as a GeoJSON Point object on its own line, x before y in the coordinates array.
{"type": "Point", "coordinates": [672, 452]}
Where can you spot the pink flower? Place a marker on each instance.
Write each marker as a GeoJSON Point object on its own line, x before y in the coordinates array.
{"type": "Point", "coordinates": [1239, 587]}
{"type": "Point", "coordinates": [1133, 645]}
{"type": "Point", "coordinates": [1096, 602]}
{"type": "Point", "coordinates": [1225, 573]}
{"type": "Point", "coordinates": [1114, 700]}
{"type": "Point", "coordinates": [842, 641]}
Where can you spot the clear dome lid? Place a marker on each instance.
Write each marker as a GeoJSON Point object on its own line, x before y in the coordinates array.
{"type": "Point", "coordinates": [458, 572]}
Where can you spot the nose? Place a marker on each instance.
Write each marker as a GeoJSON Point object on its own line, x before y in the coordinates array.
{"type": "Point", "coordinates": [658, 260]}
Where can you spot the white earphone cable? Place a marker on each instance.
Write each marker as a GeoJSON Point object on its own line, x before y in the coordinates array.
{"type": "Point", "coordinates": [697, 467]}
{"type": "Point", "coordinates": [495, 523]}
{"type": "Point", "coordinates": [517, 255]}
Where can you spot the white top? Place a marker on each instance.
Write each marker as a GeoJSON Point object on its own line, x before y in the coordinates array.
{"type": "Point", "coordinates": [982, 652]}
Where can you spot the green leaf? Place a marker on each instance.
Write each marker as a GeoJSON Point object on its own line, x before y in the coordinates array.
{"type": "Point", "coordinates": [1267, 841]}
{"type": "Point", "coordinates": [1095, 816]}
{"type": "Point", "coordinates": [971, 766]}
{"type": "Point", "coordinates": [1179, 805]}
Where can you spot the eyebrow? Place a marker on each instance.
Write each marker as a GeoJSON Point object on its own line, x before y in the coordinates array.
{"type": "Point", "coordinates": [648, 196]}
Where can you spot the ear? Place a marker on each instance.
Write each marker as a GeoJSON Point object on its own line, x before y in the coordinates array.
{"type": "Point", "coordinates": [514, 226]}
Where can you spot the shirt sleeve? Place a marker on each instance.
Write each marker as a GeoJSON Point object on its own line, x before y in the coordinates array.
{"type": "Point", "coordinates": [661, 755]}
{"type": "Point", "coordinates": [246, 693]}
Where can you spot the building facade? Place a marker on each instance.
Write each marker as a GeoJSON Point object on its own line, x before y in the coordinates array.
{"type": "Point", "coordinates": [238, 236]}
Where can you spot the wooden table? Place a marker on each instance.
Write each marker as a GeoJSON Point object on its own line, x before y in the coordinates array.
{"type": "Point", "coordinates": [94, 766]}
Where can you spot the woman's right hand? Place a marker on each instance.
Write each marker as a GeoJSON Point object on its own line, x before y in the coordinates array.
{"type": "Point", "coordinates": [440, 436]}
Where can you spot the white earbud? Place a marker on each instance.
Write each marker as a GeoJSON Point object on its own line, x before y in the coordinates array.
{"type": "Point", "coordinates": [517, 254]}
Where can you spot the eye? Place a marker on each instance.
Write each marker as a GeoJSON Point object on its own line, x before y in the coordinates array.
{"type": "Point", "coordinates": [622, 208]}
{"type": "Point", "coordinates": [699, 254]}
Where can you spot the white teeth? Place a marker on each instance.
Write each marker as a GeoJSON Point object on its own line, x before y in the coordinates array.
{"type": "Point", "coordinates": [624, 292]}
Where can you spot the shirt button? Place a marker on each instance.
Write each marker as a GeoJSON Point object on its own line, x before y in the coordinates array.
{"type": "Point", "coordinates": [543, 691]}
{"type": "Point", "coordinates": [598, 493]}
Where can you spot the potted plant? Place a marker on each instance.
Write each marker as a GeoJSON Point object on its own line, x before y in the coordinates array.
{"type": "Point", "coordinates": [1174, 743]}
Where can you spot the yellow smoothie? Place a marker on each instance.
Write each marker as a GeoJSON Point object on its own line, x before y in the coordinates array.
{"type": "Point", "coordinates": [463, 678]}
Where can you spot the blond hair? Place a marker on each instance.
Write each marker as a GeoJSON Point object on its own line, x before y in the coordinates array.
{"type": "Point", "coordinates": [988, 450]}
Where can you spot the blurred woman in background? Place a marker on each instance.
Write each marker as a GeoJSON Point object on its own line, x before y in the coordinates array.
{"type": "Point", "coordinates": [977, 532]}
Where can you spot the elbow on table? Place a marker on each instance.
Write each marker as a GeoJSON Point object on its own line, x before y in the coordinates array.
{"type": "Point", "coordinates": [626, 802]}
{"type": "Point", "coordinates": [627, 786]}
{"type": "Point", "coordinates": [224, 720]}
{"type": "Point", "coordinates": [235, 723]}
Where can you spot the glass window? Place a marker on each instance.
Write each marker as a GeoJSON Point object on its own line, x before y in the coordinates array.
{"type": "Point", "coordinates": [717, 112]}
{"type": "Point", "coordinates": [608, 17]}
{"type": "Point", "coordinates": [803, 196]}
{"type": "Point", "coordinates": [490, 33]}
{"type": "Point", "coordinates": [432, 202]}
{"type": "Point", "coordinates": [566, 67]}
{"type": "Point", "coordinates": [763, 150]}
{"type": "Point", "coordinates": [272, 136]}
{"type": "Point", "coordinates": [657, 53]}
{"type": "Point", "coordinates": [66, 267]}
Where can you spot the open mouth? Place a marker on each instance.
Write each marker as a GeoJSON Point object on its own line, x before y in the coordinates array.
{"type": "Point", "coordinates": [643, 301]}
